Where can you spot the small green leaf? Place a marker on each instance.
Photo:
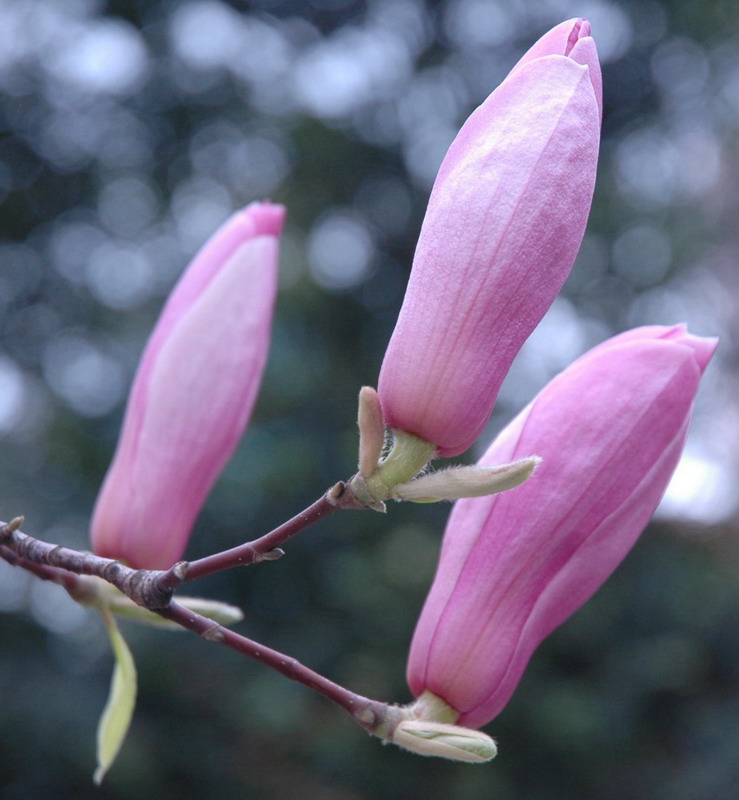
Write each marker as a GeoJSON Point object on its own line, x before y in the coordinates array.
{"type": "Point", "coordinates": [222, 613]}
{"type": "Point", "coordinates": [116, 716]}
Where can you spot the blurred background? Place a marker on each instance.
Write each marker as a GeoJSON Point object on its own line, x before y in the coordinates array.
{"type": "Point", "coordinates": [129, 130]}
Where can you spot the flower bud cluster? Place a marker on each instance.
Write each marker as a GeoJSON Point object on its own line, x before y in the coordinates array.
{"type": "Point", "coordinates": [590, 456]}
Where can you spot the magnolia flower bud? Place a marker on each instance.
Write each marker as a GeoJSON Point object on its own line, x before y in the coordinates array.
{"type": "Point", "coordinates": [193, 393]}
{"type": "Point", "coordinates": [514, 566]}
{"type": "Point", "coordinates": [504, 223]}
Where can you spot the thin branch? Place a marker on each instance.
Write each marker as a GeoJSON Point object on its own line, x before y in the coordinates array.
{"type": "Point", "coordinates": [46, 573]}
{"type": "Point", "coordinates": [370, 714]}
{"type": "Point", "coordinates": [66, 567]}
{"type": "Point", "coordinates": [267, 547]}
{"type": "Point", "coordinates": [142, 585]}
{"type": "Point", "coordinates": [153, 589]}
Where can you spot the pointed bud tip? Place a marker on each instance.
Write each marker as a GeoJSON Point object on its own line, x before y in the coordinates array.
{"type": "Point", "coordinates": [529, 464]}
{"type": "Point", "coordinates": [267, 218]}
{"type": "Point", "coordinates": [704, 347]}
{"type": "Point", "coordinates": [584, 27]}
{"type": "Point", "coordinates": [15, 524]}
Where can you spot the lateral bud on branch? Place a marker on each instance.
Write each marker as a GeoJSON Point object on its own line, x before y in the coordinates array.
{"type": "Point", "coordinates": [11, 527]}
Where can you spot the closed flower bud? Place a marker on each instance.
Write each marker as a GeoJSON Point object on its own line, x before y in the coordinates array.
{"type": "Point", "coordinates": [504, 223]}
{"type": "Point", "coordinates": [445, 741]}
{"type": "Point", "coordinates": [514, 566]}
{"type": "Point", "coordinates": [193, 393]}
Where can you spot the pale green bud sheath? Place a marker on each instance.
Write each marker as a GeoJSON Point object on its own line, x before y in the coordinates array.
{"type": "Point", "coordinates": [397, 475]}
{"type": "Point", "coordinates": [427, 728]}
{"type": "Point", "coordinates": [452, 742]}
{"type": "Point", "coordinates": [458, 482]}
{"type": "Point", "coordinates": [408, 456]}
{"type": "Point", "coordinates": [371, 431]}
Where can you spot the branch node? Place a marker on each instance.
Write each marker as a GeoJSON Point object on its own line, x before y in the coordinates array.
{"type": "Point", "coordinates": [214, 634]}
{"type": "Point", "coordinates": [14, 525]}
{"type": "Point", "coordinates": [55, 556]}
{"type": "Point", "coordinates": [269, 555]}
{"type": "Point", "coordinates": [144, 587]}
{"type": "Point", "coordinates": [335, 492]}
{"type": "Point", "coordinates": [170, 580]}
{"type": "Point", "coordinates": [366, 717]}
{"type": "Point", "coordinates": [179, 570]}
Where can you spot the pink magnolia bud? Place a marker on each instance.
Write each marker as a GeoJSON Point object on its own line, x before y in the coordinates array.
{"type": "Point", "coordinates": [504, 223]}
{"type": "Point", "coordinates": [514, 566]}
{"type": "Point", "coordinates": [193, 393]}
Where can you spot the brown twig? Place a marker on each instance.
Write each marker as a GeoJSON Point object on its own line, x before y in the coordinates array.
{"type": "Point", "coordinates": [267, 547]}
{"type": "Point", "coordinates": [153, 589]}
{"type": "Point", "coordinates": [141, 585]}
{"type": "Point", "coordinates": [372, 715]}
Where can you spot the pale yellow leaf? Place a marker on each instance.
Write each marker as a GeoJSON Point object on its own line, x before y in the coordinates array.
{"type": "Point", "coordinates": [116, 716]}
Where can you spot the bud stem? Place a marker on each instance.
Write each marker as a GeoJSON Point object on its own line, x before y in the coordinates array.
{"type": "Point", "coordinates": [408, 456]}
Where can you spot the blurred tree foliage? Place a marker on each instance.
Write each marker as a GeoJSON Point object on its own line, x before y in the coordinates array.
{"type": "Point", "coordinates": [129, 130]}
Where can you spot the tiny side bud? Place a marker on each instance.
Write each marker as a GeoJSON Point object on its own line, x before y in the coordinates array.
{"type": "Point", "coordinates": [15, 524]}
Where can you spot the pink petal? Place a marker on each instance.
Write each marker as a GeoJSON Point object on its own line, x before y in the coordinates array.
{"type": "Point", "coordinates": [610, 430]}
{"type": "Point", "coordinates": [193, 394]}
{"type": "Point", "coordinates": [504, 223]}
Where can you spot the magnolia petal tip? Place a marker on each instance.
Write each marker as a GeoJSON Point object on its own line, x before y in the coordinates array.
{"type": "Point", "coordinates": [266, 217]}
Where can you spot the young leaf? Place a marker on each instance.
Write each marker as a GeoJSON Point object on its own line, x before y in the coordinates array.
{"type": "Point", "coordinates": [116, 716]}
